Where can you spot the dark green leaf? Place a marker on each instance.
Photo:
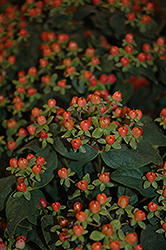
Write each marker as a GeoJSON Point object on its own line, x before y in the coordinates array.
{"type": "Point", "coordinates": [133, 178]}
{"type": "Point", "coordinates": [18, 208]}
{"type": "Point", "coordinates": [130, 158]}
{"type": "Point", "coordinates": [5, 189]}
{"type": "Point", "coordinates": [117, 23]}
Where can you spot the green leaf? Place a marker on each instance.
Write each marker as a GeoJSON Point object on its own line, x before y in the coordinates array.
{"type": "Point", "coordinates": [152, 240]}
{"type": "Point", "coordinates": [97, 133]}
{"type": "Point", "coordinates": [18, 208]}
{"type": "Point", "coordinates": [117, 23]}
{"type": "Point", "coordinates": [5, 189]}
{"type": "Point", "coordinates": [47, 222]}
{"type": "Point", "coordinates": [115, 224]}
{"type": "Point", "coordinates": [152, 133]}
{"type": "Point", "coordinates": [130, 158]}
{"type": "Point", "coordinates": [96, 235]}
{"type": "Point", "coordinates": [133, 178]}
{"type": "Point", "coordinates": [95, 121]}
{"type": "Point", "coordinates": [64, 148]}
{"type": "Point", "coordinates": [33, 145]}
{"type": "Point", "coordinates": [50, 156]}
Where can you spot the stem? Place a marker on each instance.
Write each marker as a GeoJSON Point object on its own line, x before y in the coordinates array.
{"type": "Point", "coordinates": [109, 216]}
{"type": "Point", "coordinates": [71, 180]}
{"type": "Point", "coordinates": [95, 225]}
{"type": "Point", "coordinates": [29, 228]}
{"type": "Point", "coordinates": [140, 201]}
{"type": "Point", "coordinates": [163, 156]}
{"type": "Point", "coordinates": [67, 165]}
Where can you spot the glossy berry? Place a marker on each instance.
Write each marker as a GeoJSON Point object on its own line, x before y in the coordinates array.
{"type": "Point", "coordinates": [40, 160]}
{"type": "Point", "coordinates": [130, 16]}
{"type": "Point", "coordinates": [110, 139]}
{"type": "Point", "coordinates": [63, 222]}
{"type": "Point", "coordinates": [37, 169]}
{"type": "Point", "coordinates": [129, 38]}
{"type": "Point", "coordinates": [51, 103]}
{"type": "Point", "coordinates": [117, 96]}
{"type": "Point", "coordinates": [131, 238]}
{"type": "Point", "coordinates": [43, 203]}
{"type": "Point", "coordinates": [164, 226]}
{"type": "Point", "coordinates": [114, 50]}
{"type": "Point", "coordinates": [104, 178]}
{"type": "Point", "coordinates": [123, 201]}
{"type": "Point", "coordinates": [63, 237]}
{"type": "Point", "coordinates": [85, 125]}
{"type": "Point", "coordinates": [107, 230]}
{"type": "Point", "coordinates": [81, 216]}
{"type": "Point", "coordinates": [83, 185]}
{"type": "Point", "coordinates": [151, 176]}
{"type": "Point", "coordinates": [123, 131]}
{"type": "Point", "coordinates": [152, 207]}
{"type": "Point", "coordinates": [145, 19]}
{"type": "Point", "coordinates": [164, 193]}
{"type": "Point", "coordinates": [68, 124]}
{"type": "Point", "coordinates": [139, 215]}
{"type": "Point", "coordinates": [3, 246]}
{"type": "Point", "coordinates": [101, 198]}
{"type": "Point", "coordinates": [20, 244]}
{"type": "Point", "coordinates": [62, 84]}
{"type": "Point", "coordinates": [118, 112]}
{"type": "Point", "coordinates": [163, 112]}
{"type": "Point", "coordinates": [63, 173]}
{"type": "Point", "coordinates": [56, 206]}
{"type": "Point", "coordinates": [76, 143]}
{"type": "Point", "coordinates": [104, 122]}
{"type": "Point", "coordinates": [96, 246]}
{"type": "Point", "coordinates": [22, 132]}
{"type": "Point", "coordinates": [90, 52]}
{"type": "Point", "coordinates": [66, 115]}
{"type": "Point", "coordinates": [87, 75]}
{"type": "Point", "coordinates": [129, 49]}
{"type": "Point", "coordinates": [78, 230]}
{"type": "Point", "coordinates": [146, 47]}
{"type": "Point", "coordinates": [95, 99]}
{"type": "Point", "coordinates": [22, 163]}
{"type": "Point", "coordinates": [31, 91]}
{"type": "Point", "coordinates": [21, 187]}
{"type": "Point", "coordinates": [30, 156]}
{"type": "Point", "coordinates": [139, 114]}
{"type": "Point", "coordinates": [43, 135]}
{"type": "Point", "coordinates": [137, 132]}
{"type": "Point", "coordinates": [141, 57]}
{"type": "Point", "coordinates": [78, 207]}
{"type": "Point", "coordinates": [94, 206]}
{"type": "Point", "coordinates": [13, 163]}
{"type": "Point", "coordinates": [138, 247]}
{"type": "Point", "coordinates": [115, 245]}
{"type": "Point", "coordinates": [124, 61]}
{"type": "Point", "coordinates": [11, 123]}
{"type": "Point", "coordinates": [72, 45]}
{"type": "Point", "coordinates": [160, 41]}
{"type": "Point", "coordinates": [41, 120]}
{"type": "Point", "coordinates": [132, 114]}
{"type": "Point", "coordinates": [11, 145]}
{"type": "Point", "coordinates": [81, 102]}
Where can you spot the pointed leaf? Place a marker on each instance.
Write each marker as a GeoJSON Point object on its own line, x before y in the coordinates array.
{"type": "Point", "coordinates": [5, 189]}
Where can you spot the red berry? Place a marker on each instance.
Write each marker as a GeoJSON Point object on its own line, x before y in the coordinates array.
{"type": "Point", "coordinates": [137, 132]}
{"type": "Point", "coordinates": [29, 156]}
{"type": "Point", "coordinates": [63, 237]}
{"type": "Point", "coordinates": [85, 125]}
{"type": "Point", "coordinates": [81, 102]}
{"type": "Point", "coordinates": [152, 207]}
{"type": "Point", "coordinates": [146, 47]}
{"type": "Point", "coordinates": [11, 123]}
{"type": "Point", "coordinates": [164, 226]}
{"type": "Point", "coordinates": [74, 100]}
{"type": "Point", "coordinates": [57, 3]}
{"type": "Point", "coordinates": [150, 176]}
{"type": "Point", "coordinates": [114, 50]}
{"type": "Point", "coordinates": [118, 112]}
{"type": "Point", "coordinates": [51, 103]}
{"type": "Point", "coordinates": [124, 61]}
{"type": "Point", "coordinates": [139, 114]}
{"type": "Point", "coordinates": [104, 178]}
{"type": "Point", "coordinates": [63, 37]}
{"type": "Point", "coordinates": [23, 32]}
{"type": "Point", "coordinates": [76, 143]}
{"type": "Point", "coordinates": [94, 206]}
{"type": "Point", "coordinates": [160, 41]}
{"type": "Point", "coordinates": [41, 120]}
{"type": "Point", "coordinates": [66, 115]}
{"type": "Point", "coordinates": [43, 62]}
{"type": "Point", "coordinates": [95, 61]}
{"type": "Point", "coordinates": [95, 99]}
{"type": "Point", "coordinates": [104, 122]}
{"type": "Point", "coordinates": [11, 145]}
{"type": "Point", "coordinates": [90, 52]}
{"type": "Point", "coordinates": [131, 238]}
{"type": "Point", "coordinates": [81, 216]}
{"type": "Point", "coordinates": [68, 124]}
{"type": "Point", "coordinates": [31, 129]}
{"type": "Point", "coordinates": [125, 2]}
{"type": "Point", "coordinates": [40, 160]}
{"type": "Point", "coordinates": [150, 6]}
{"type": "Point", "coordinates": [141, 57]}
{"type": "Point", "coordinates": [56, 47]}
{"type": "Point", "coordinates": [111, 78]}
{"type": "Point", "coordinates": [63, 173]}
{"type": "Point", "coordinates": [43, 135]}
{"type": "Point", "coordinates": [123, 201]}
{"type": "Point", "coordinates": [115, 245]}
{"type": "Point", "coordinates": [46, 79]}
{"type": "Point", "coordinates": [22, 163]}
{"type": "Point", "coordinates": [78, 230]}
{"type": "Point", "coordinates": [22, 132]}
{"type": "Point", "coordinates": [42, 202]}
{"type": "Point", "coordinates": [20, 244]}
{"type": "Point", "coordinates": [21, 187]}
{"type": "Point", "coordinates": [164, 193]}
{"type": "Point", "coordinates": [70, 70]}
{"type": "Point", "coordinates": [117, 96]}
{"type": "Point", "coordinates": [13, 162]}
{"type": "Point", "coordinates": [96, 246]}
{"type": "Point", "coordinates": [83, 185]}
{"type": "Point", "coordinates": [56, 206]}
{"type": "Point", "coordinates": [77, 207]}
{"type": "Point", "coordinates": [95, 2]}
{"type": "Point", "coordinates": [63, 222]}
{"type": "Point", "coordinates": [87, 75]}
{"type": "Point", "coordinates": [139, 215]}
{"type": "Point", "coordinates": [3, 246]}
{"type": "Point", "coordinates": [138, 247]}
{"type": "Point", "coordinates": [145, 19]}
{"type": "Point", "coordinates": [163, 112]}
{"type": "Point", "coordinates": [129, 38]}
{"type": "Point", "coordinates": [62, 84]}
{"type": "Point", "coordinates": [32, 71]}
{"type": "Point", "coordinates": [110, 139]}
{"type": "Point", "coordinates": [37, 169]}
{"type": "Point", "coordinates": [23, 237]}
{"type": "Point", "coordinates": [123, 131]}
{"type": "Point", "coordinates": [132, 114]}
{"type": "Point", "coordinates": [107, 230]}
{"type": "Point", "coordinates": [103, 79]}
{"type": "Point", "coordinates": [129, 49]}
{"type": "Point", "coordinates": [101, 198]}
{"type": "Point", "coordinates": [130, 16]}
